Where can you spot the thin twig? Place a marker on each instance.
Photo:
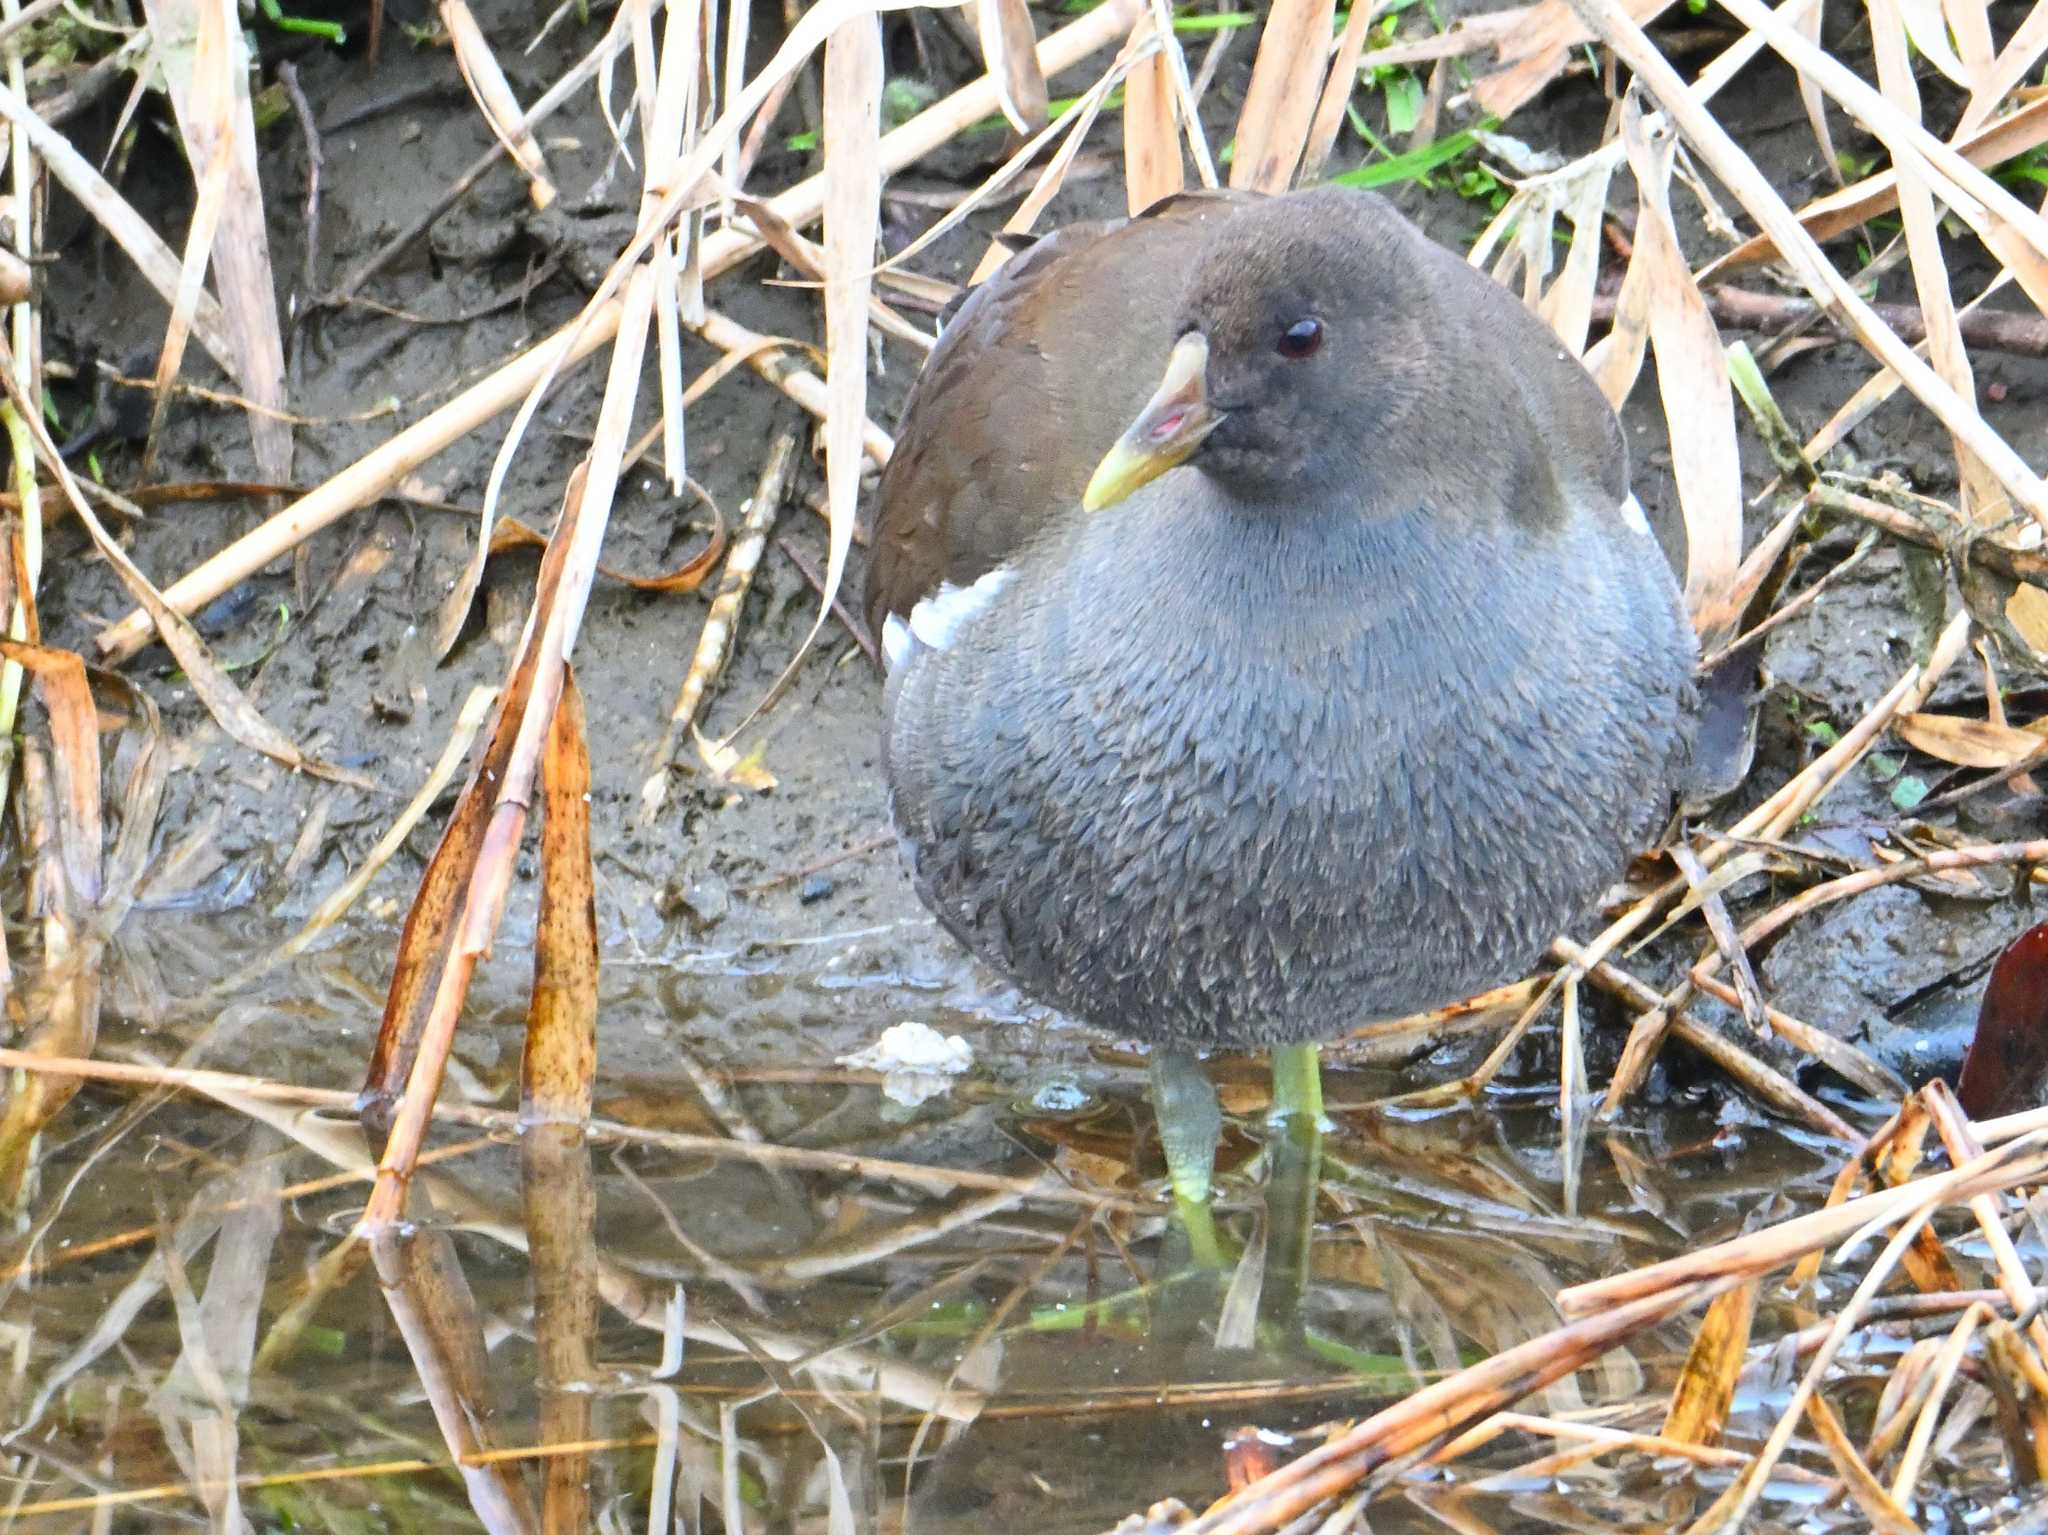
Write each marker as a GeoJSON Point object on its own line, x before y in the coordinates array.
{"type": "Point", "coordinates": [818, 866]}
{"type": "Point", "coordinates": [721, 621]}
{"type": "Point", "coordinates": [850, 621]}
{"type": "Point", "coordinates": [288, 76]}
{"type": "Point", "coordinates": [1985, 330]}
{"type": "Point", "coordinates": [2019, 564]}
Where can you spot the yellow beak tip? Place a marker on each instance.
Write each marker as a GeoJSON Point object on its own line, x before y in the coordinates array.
{"type": "Point", "coordinates": [1120, 472]}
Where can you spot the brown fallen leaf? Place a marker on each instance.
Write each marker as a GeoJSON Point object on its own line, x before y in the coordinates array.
{"type": "Point", "coordinates": [1338, 85]}
{"type": "Point", "coordinates": [1861, 201]}
{"type": "Point", "coordinates": [1706, 1386]}
{"type": "Point", "coordinates": [1692, 382]}
{"type": "Point", "coordinates": [2006, 1069]}
{"type": "Point", "coordinates": [560, 1063]}
{"type": "Point", "coordinates": [511, 533]}
{"type": "Point", "coordinates": [1009, 45]}
{"type": "Point", "coordinates": [1970, 743]}
{"type": "Point", "coordinates": [205, 69]}
{"type": "Point", "coordinates": [75, 755]}
{"type": "Point", "coordinates": [1537, 49]}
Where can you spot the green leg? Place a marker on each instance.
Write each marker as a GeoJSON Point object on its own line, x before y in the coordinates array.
{"type": "Point", "coordinates": [1298, 1084]}
{"type": "Point", "coordinates": [1294, 1153]}
{"type": "Point", "coordinates": [1190, 1124]}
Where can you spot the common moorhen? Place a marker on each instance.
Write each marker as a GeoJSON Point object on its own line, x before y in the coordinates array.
{"type": "Point", "coordinates": [1331, 690]}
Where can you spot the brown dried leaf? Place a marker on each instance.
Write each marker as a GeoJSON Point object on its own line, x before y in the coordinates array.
{"type": "Point", "coordinates": [427, 956]}
{"type": "Point", "coordinates": [1861, 201]}
{"type": "Point", "coordinates": [1706, 1386]}
{"type": "Point", "coordinates": [421, 1276]}
{"type": "Point", "coordinates": [561, 1020]}
{"type": "Point", "coordinates": [1890, 22]}
{"type": "Point", "coordinates": [1009, 46]}
{"type": "Point", "coordinates": [2026, 610]}
{"type": "Point", "coordinates": [560, 1199]}
{"type": "Point", "coordinates": [1539, 45]}
{"type": "Point", "coordinates": [1616, 359]}
{"type": "Point", "coordinates": [1568, 303]}
{"type": "Point", "coordinates": [192, 41]}
{"type": "Point", "coordinates": [75, 750]}
{"type": "Point", "coordinates": [1153, 168]}
{"type": "Point", "coordinates": [1884, 1513]}
{"type": "Point", "coordinates": [68, 1026]}
{"type": "Point", "coordinates": [1272, 126]}
{"type": "Point", "coordinates": [1968, 743]}
{"type": "Point", "coordinates": [2013, 64]}
{"type": "Point", "coordinates": [1692, 380]}
{"type": "Point", "coordinates": [511, 533]}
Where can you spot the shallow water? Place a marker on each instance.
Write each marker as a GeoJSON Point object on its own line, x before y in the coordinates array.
{"type": "Point", "coordinates": [1019, 1335]}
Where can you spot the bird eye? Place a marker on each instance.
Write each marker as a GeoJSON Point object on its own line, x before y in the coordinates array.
{"type": "Point", "coordinates": [1300, 339]}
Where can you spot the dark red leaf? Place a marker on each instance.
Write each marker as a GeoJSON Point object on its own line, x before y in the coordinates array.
{"type": "Point", "coordinates": [2006, 1070]}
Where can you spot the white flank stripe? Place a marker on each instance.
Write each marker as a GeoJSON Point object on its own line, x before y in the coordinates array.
{"type": "Point", "coordinates": [937, 620]}
{"type": "Point", "coordinates": [896, 642]}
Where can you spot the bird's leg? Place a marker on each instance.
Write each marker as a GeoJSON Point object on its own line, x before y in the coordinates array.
{"type": "Point", "coordinates": [1294, 1159]}
{"type": "Point", "coordinates": [1190, 1124]}
{"type": "Point", "coordinates": [1298, 1084]}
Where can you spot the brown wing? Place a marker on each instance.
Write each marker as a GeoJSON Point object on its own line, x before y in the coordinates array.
{"type": "Point", "coordinates": [1042, 368]}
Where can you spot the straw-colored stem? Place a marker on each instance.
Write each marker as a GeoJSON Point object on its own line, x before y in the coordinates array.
{"type": "Point", "coordinates": [27, 360]}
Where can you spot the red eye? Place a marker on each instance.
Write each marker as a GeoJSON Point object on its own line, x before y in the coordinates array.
{"type": "Point", "coordinates": [1300, 339]}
